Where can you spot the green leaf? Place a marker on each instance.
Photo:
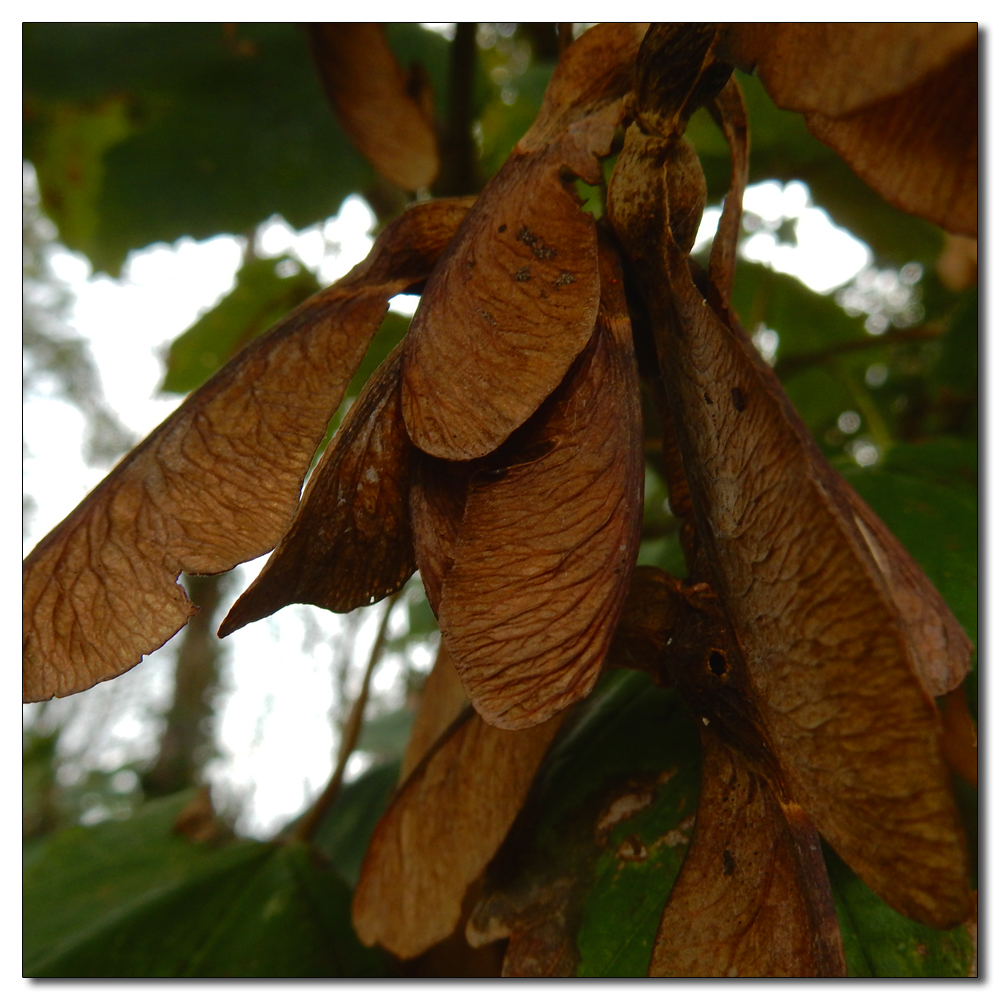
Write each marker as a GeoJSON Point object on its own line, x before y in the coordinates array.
{"type": "Point", "coordinates": [878, 941]}
{"type": "Point", "coordinates": [148, 132]}
{"type": "Point", "coordinates": [936, 522]}
{"type": "Point", "coordinates": [262, 296]}
{"type": "Point", "coordinates": [345, 830]}
{"type": "Point", "coordinates": [387, 735]}
{"type": "Point", "coordinates": [631, 754]}
{"type": "Point", "coordinates": [133, 899]}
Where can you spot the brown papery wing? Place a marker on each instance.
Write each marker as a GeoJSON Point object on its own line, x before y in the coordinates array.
{"type": "Point", "coordinates": [350, 543]}
{"type": "Point", "coordinates": [514, 300]}
{"type": "Point", "coordinates": [828, 653]}
{"type": "Point", "coordinates": [899, 102]}
{"type": "Point", "coordinates": [218, 481]}
{"type": "Point", "coordinates": [372, 98]}
{"type": "Point", "coordinates": [440, 831]}
{"type": "Point", "coordinates": [752, 898]}
{"type": "Point", "coordinates": [548, 539]}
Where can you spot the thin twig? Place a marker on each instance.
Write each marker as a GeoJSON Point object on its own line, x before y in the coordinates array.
{"type": "Point", "coordinates": [458, 149]}
{"type": "Point", "coordinates": [796, 362]}
{"type": "Point", "coordinates": [352, 730]}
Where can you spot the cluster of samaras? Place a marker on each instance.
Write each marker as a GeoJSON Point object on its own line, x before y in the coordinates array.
{"type": "Point", "coordinates": [499, 449]}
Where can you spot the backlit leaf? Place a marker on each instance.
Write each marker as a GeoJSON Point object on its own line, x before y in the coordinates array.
{"type": "Point", "coordinates": [216, 483]}
{"type": "Point", "coordinates": [261, 297]}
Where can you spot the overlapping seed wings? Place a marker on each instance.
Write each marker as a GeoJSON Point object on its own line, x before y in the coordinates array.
{"type": "Point", "coordinates": [350, 542]}
{"type": "Point", "coordinates": [216, 483]}
{"type": "Point", "coordinates": [445, 823]}
{"type": "Point", "coordinates": [829, 655]}
{"type": "Point", "coordinates": [540, 568]}
{"type": "Point", "coordinates": [899, 102]}
{"type": "Point", "coordinates": [514, 299]}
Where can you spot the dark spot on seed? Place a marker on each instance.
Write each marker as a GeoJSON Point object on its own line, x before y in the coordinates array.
{"type": "Point", "coordinates": [503, 228]}
{"type": "Point", "coordinates": [728, 863]}
{"type": "Point", "coordinates": [486, 316]}
{"type": "Point", "coordinates": [523, 273]}
{"type": "Point", "coordinates": [717, 663]}
{"type": "Point", "coordinates": [534, 242]}
{"type": "Point", "coordinates": [565, 278]}
{"type": "Point", "coordinates": [707, 400]}
{"type": "Point", "coordinates": [738, 401]}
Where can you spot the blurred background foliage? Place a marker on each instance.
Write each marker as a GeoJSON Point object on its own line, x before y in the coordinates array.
{"type": "Point", "coordinates": [144, 133]}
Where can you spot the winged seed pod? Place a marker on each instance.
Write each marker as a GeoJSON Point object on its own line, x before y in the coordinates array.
{"type": "Point", "coordinates": [841, 684]}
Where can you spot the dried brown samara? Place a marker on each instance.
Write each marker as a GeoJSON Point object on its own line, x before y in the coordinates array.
{"type": "Point", "coordinates": [838, 638]}
{"type": "Point", "coordinates": [216, 483]}
{"type": "Point", "coordinates": [499, 450]}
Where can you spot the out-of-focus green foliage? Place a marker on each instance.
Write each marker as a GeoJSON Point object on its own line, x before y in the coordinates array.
{"type": "Point", "coordinates": [265, 291]}
{"type": "Point", "coordinates": [134, 898]}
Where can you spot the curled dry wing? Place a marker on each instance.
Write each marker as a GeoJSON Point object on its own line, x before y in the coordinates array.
{"type": "Point", "coordinates": [443, 826]}
{"type": "Point", "coordinates": [513, 301]}
{"type": "Point", "coordinates": [753, 897]}
{"type": "Point", "coordinates": [549, 536]}
{"type": "Point", "coordinates": [350, 542]}
{"type": "Point", "coordinates": [381, 109]}
{"type": "Point", "coordinates": [899, 102]}
{"type": "Point", "coordinates": [830, 656]}
{"type": "Point", "coordinates": [216, 483]}
{"type": "Point", "coordinates": [920, 149]}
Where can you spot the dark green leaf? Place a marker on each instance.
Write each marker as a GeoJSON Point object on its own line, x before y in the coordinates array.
{"type": "Point", "coordinates": [347, 827]}
{"type": "Point", "coordinates": [149, 132]}
{"type": "Point", "coordinates": [880, 942]}
{"type": "Point", "coordinates": [133, 899]}
{"type": "Point", "coordinates": [261, 297]}
{"type": "Point", "coordinates": [610, 815]}
{"type": "Point", "coordinates": [937, 524]}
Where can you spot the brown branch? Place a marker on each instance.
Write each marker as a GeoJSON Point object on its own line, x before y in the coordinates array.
{"type": "Point", "coordinates": [458, 150]}
{"type": "Point", "coordinates": [352, 730]}
{"type": "Point", "coordinates": [796, 362]}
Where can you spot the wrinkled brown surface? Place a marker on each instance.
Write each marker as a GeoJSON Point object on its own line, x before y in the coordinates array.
{"type": "Point", "coordinates": [350, 542]}
{"type": "Point", "coordinates": [920, 149]}
{"type": "Point", "coordinates": [752, 898]}
{"type": "Point", "coordinates": [548, 540]}
{"type": "Point", "coordinates": [829, 657]}
{"type": "Point", "coordinates": [216, 483]}
{"type": "Point", "coordinates": [375, 103]}
{"type": "Point", "coordinates": [514, 299]}
{"type": "Point", "coordinates": [440, 830]}
{"type": "Point", "coordinates": [837, 68]}
{"type": "Point", "coordinates": [899, 102]}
